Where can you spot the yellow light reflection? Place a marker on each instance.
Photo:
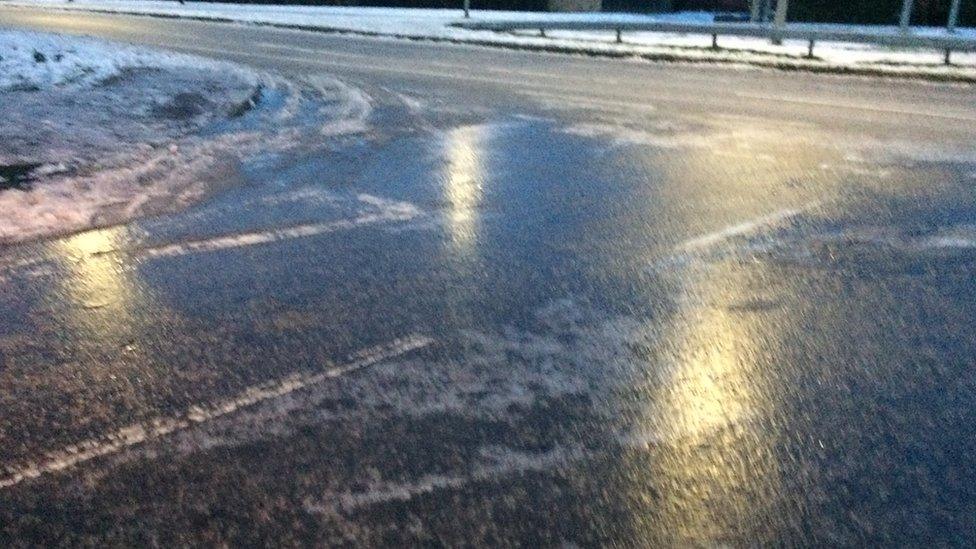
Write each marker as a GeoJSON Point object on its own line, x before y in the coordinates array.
{"type": "Point", "coordinates": [105, 313]}
{"type": "Point", "coordinates": [97, 279]}
{"type": "Point", "coordinates": [705, 392]}
{"type": "Point", "coordinates": [464, 183]}
{"type": "Point", "coordinates": [718, 469]}
{"type": "Point", "coordinates": [463, 179]}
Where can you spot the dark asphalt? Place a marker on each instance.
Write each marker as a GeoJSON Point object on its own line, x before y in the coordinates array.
{"type": "Point", "coordinates": [542, 300]}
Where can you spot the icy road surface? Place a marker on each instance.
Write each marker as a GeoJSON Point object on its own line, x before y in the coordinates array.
{"type": "Point", "coordinates": [533, 300]}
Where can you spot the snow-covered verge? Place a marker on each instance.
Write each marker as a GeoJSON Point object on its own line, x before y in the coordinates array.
{"type": "Point", "coordinates": [41, 61]}
{"type": "Point", "coordinates": [430, 24]}
{"type": "Point", "coordinates": [96, 133]}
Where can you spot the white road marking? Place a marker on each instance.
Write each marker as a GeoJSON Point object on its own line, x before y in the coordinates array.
{"type": "Point", "coordinates": [501, 461]}
{"type": "Point", "coordinates": [133, 435]}
{"type": "Point", "coordinates": [507, 463]}
{"type": "Point", "coordinates": [21, 264]}
{"type": "Point", "coordinates": [388, 211]}
{"type": "Point", "coordinates": [854, 106]}
{"type": "Point", "coordinates": [579, 101]}
{"type": "Point", "coordinates": [266, 237]}
{"type": "Point", "coordinates": [739, 229]}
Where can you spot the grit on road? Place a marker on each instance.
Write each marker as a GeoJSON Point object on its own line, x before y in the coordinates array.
{"type": "Point", "coordinates": [539, 299]}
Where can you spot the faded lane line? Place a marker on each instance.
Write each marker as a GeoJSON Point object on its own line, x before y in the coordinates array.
{"type": "Point", "coordinates": [21, 264]}
{"type": "Point", "coordinates": [577, 101]}
{"type": "Point", "coordinates": [746, 227]}
{"type": "Point", "coordinates": [503, 462]}
{"type": "Point", "coordinates": [510, 465]}
{"type": "Point", "coordinates": [134, 435]}
{"type": "Point", "coordinates": [243, 240]}
{"type": "Point", "coordinates": [853, 107]}
{"type": "Point", "coordinates": [390, 211]}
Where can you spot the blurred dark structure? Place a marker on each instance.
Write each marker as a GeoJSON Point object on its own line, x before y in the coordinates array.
{"type": "Point", "coordinates": [711, 5]}
{"type": "Point", "coordinates": [657, 6]}
{"type": "Point", "coordinates": [513, 5]}
{"type": "Point", "coordinates": [879, 12]}
{"type": "Point", "coordinates": [638, 6]}
{"type": "Point", "coordinates": [867, 12]}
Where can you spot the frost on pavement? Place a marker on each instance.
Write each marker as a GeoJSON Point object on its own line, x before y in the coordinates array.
{"type": "Point", "coordinates": [94, 133]}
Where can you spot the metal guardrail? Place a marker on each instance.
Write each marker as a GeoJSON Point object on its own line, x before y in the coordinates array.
{"type": "Point", "coordinates": [810, 33]}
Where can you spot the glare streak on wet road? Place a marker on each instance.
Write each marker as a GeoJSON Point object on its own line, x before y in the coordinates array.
{"type": "Point", "coordinates": [538, 300]}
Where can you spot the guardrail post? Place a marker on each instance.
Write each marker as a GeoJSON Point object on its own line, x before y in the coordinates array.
{"type": "Point", "coordinates": [620, 38]}
{"type": "Point", "coordinates": [779, 20]}
{"type": "Point", "coordinates": [467, 9]}
{"type": "Point", "coordinates": [953, 15]}
{"type": "Point", "coordinates": [810, 35]}
{"type": "Point", "coordinates": [905, 22]}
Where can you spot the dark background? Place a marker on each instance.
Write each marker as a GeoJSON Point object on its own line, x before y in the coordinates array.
{"type": "Point", "coordinates": [927, 12]}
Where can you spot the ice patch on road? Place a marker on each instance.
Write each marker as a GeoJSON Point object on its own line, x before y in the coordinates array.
{"type": "Point", "coordinates": [570, 350]}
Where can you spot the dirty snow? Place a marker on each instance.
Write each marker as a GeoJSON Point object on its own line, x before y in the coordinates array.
{"type": "Point", "coordinates": [97, 133]}
{"type": "Point", "coordinates": [42, 61]}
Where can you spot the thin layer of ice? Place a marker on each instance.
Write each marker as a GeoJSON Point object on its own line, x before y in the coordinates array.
{"type": "Point", "coordinates": [436, 24]}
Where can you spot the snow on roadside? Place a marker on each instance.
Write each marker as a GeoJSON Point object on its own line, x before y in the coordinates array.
{"type": "Point", "coordinates": [96, 133]}
{"type": "Point", "coordinates": [436, 25]}
{"type": "Point", "coordinates": [40, 61]}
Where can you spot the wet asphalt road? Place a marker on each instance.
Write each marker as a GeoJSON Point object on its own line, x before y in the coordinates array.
{"type": "Point", "coordinates": [542, 300]}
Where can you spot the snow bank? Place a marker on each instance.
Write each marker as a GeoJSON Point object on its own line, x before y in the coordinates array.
{"type": "Point", "coordinates": [41, 61]}
{"type": "Point", "coordinates": [436, 25]}
{"type": "Point", "coordinates": [95, 133]}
